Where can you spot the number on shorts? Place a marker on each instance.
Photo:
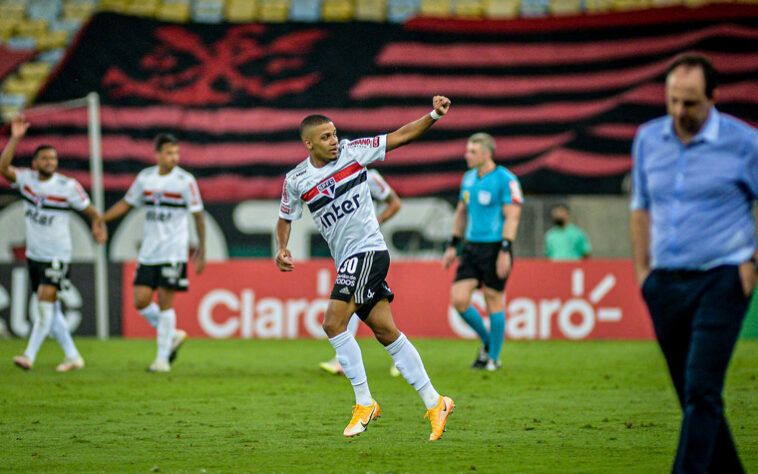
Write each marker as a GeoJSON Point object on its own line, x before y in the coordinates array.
{"type": "Point", "coordinates": [349, 265]}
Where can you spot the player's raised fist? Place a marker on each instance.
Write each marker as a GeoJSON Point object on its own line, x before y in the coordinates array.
{"type": "Point", "coordinates": [441, 104]}
{"type": "Point", "coordinates": [19, 126]}
{"type": "Point", "coordinates": [284, 260]}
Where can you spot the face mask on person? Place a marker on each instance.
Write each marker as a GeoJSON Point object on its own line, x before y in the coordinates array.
{"type": "Point", "coordinates": [559, 221]}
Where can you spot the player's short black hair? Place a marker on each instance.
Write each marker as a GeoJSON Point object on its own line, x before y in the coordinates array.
{"type": "Point", "coordinates": [312, 121]}
{"type": "Point", "coordinates": [697, 60]}
{"type": "Point", "coordinates": [163, 138]}
{"type": "Point", "coordinates": [40, 148]}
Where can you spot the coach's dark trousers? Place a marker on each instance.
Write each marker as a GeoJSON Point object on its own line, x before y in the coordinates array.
{"type": "Point", "coordinates": [697, 317]}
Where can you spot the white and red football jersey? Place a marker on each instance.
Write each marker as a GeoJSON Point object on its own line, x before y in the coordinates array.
{"type": "Point", "coordinates": [169, 199]}
{"type": "Point", "coordinates": [377, 186]}
{"type": "Point", "coordinates": [338, 198]}
{"type": "Point", "coordinates": [47, 205]}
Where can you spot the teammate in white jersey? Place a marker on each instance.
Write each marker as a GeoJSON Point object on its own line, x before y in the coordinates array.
{"type": "Point", "coordinates": [332, 183]}
{"type": "Point", "coordinates": [170, 195]}
{"type": "Point", "coordinates": [48, 199]}
{"type": "Point", "coordinates": [381, 192]}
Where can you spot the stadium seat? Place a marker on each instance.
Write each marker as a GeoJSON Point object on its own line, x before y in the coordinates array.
{"type": "Point", "coordinates": [31, 27]}
{"type": "Point", "coordinates": [399, 11]}
{"type": "Point", "coordinates": [597, 6]}
{"type": "Point", "coordinates": [52, 56]}
{"type": "Point", "coordinates": [146, 8]}
{"type": "Point", "coordinates": [174, 11]}
{"type": "Point", "coordinates": [34, 70]}
{"type": "Point", "coordinates": [501, 9]}
{"type": "Point", "coordinates": [24, 86]}
{"type": "Point", "coordinates": [337, 10]}
{"type": "Point", "coordinates": [117, 6]}
{"type": "Point", "coordinates": [73, 10]}
{"type": "Point", "coordinates": [12, 100]}
{"type": "Point", "coordinates": [624, 5]}
{"type": "Point", "coordinates": [241, 11]}
{"type": "Point", "coordinates": [305, 10]}
{"type": "Point", "coordinates": [8, 111]}
{"type": "Point", "coordinates": [531, 8]}
{"type": "Point", "coordinates": [468, 8]}
{"type": "Point", "coordinates": [12, 11]}
{"type": "Point", "coordinates": [665, 3]}
{"type": "Point", "coordinates": [43, 9]}
{"type": "Point", "coordinates": [435, 8]}
{"type": "Point", "coordinates": [21, 42]}
{"type": "Point", "coordinates": [274, 11]}
{"type": "Point", "coordinates": [565, 7]}
{"type": "Point", "coordinates": [7, 27]}
{"type": "Point", "coordinates": [371, 10]}
{"type": "Point", "coordinates": [208, 11]}
{"type": "Point", "coordinates": [52, 40]}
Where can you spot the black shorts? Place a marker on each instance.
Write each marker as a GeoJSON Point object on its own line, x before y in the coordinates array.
{"type": "Point", "coordinates": [362, 276]}
{"type": "Point", "coordinates": [53, 273]}
{"type": "Point", "coordinates": [162, 275]}
{"type": "Point", "coordinates": [479, 261]}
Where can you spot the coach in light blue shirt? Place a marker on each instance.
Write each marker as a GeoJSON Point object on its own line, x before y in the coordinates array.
{"type": "Point", "coordinates": [695, 178]}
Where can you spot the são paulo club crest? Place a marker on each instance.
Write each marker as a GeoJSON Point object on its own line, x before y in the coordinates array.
{"type": "Point", "coordinates": [157, 198]}
{"type": "Point", "coordinates": [327, 187]}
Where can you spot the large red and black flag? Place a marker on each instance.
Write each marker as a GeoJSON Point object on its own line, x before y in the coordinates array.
{"type": "Point", "coordinates": [562, 96]}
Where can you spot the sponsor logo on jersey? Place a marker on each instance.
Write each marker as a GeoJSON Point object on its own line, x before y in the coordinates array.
{"type": "Point", "coordinates": [284, 209]}
{"type": "Point", "coordinates": [345, 280]}
{"type": "Point", "coordinates": [375, 142]}
{"type": "Point", "coordinates": [327, 187]}
{"type": "Point", "coordinates": [284, 193]}
{"type": "Point", "coordinates": [364, 142]}
{"type": "Point", "coordinates": [336, 212]}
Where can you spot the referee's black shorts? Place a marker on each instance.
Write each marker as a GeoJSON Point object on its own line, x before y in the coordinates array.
{"type": "Point", "coordinates": [479, 261]}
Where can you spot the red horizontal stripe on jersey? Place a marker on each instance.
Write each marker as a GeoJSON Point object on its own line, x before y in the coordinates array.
{"type": "Point", "coordinates": [419, 85]}
{"type": "Point", "coordinates": [55, 199]}
{"type": "Point", "coordinates": [478, 55]}
{"type": "Point", "coordinates": [172, 195]}
{"type": "Point", "coordinates": [651, 16]}
{"type": "Point", "coordinates": [338, 176]}
{"type": "Point", "coordinates": [29, 190]}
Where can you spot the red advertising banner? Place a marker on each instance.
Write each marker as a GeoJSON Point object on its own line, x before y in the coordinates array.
{"type": "Point", "coordinates": [596, 299]}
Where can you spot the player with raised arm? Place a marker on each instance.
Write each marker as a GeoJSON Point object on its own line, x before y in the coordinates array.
{"type": "Point", "coordinates": [381, 192]}
{"type": "Point", "coordinates": [332, 183]}
{"type": "Point", "coordinates": [170, 194]}
{"type": "Point", "coordinates": [48, 199]}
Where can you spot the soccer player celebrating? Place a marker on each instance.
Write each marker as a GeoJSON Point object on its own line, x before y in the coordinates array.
{"type": "Point", "coordinates": [332, 183]}
{"type": "Point", "coordinates": [381, 192]}
{"type": "Point", "coordinates": [488, 210]}
{"type": "Point", "coordinates": [49, 197]}
{"type": "Point", "coordinates": [170, 195]}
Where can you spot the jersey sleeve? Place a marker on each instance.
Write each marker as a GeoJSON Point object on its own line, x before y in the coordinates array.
{"type": "Point", "coordinates": [192, 195]}
{"type": "Point", "coordinates": [511, 191]}
{"type": "Point", "coordinates": [76, 195]}
{"type": "Point", "coordinates": [367, 150]}
{"type": "Point", "coordinates": [379, 188]}
{"type": "Point", "coordinates": [22, 176]}
{"type": "Point", "coordinates": [585, 247]}
{"type": "Point", "coordinates": [290, 207]}
{"type": "Point", "coordinates": [133, 196]}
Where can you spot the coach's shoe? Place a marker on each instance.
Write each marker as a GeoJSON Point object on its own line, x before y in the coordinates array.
{"type": "Point", "coordinates": [70, 363]}
{"type": "Point", "coordinates": [438, 417]}
{"type": "Point", "coordinates": [492, 365]}
{"type": "Point", "coordinates": [159, 366]}
{"type": "Point", "coordinates": [362, 416]}
{"type": "Point", "coordinates": [481, 359]}
{"type": "Point", "coordinates": [333, 367]}
{"type": "Point", "coordinates": [176, 342]}
{"type": "Point", "coordinates": [23, 362]}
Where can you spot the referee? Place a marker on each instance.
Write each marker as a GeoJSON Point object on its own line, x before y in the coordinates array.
{"type": "Point", "coordinates": [695, 178]}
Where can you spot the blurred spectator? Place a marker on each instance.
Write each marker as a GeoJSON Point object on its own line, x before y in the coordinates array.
{"type": "Point", "coordinates": [565, 241]}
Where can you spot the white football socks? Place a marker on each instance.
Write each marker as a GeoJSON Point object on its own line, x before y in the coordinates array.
{"type": "Point", "coordinates": [409, 363]}
{"type": "Point", "coordinates": [61, 333]}
{"type": "Point", "coordinates": [351, 360]}
{"type": "Point", "coordinates": [152, 313]}
{"type": "Point", "coordinates": [352, 325]}
{"type": "Point", "coordinates": [166, 325]}
{"type": "Point", "coordinates": [41, 328]}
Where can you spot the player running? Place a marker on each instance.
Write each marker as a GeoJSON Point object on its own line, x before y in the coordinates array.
{"type": "Point", "coordinates": [170, 194]}
{"type": "Point", "coordinates": [332, 183]}
{"type": "Point", "coordinates": [48, 199]}
{"type": "Point", "coordinates": [381, 192]}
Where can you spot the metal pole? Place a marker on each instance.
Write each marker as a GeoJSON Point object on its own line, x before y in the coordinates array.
{"type": "Point", "coordinates": [98, 200]}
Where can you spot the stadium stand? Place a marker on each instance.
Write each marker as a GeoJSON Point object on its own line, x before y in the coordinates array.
{"type": "Point", "coordinates": [46, 27]}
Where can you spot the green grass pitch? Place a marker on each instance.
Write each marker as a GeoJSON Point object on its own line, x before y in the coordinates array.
{"type": "Point", "coordinates": [243, 406]}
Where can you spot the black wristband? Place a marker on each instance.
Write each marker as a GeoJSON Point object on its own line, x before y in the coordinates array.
{"type": "Point", "coordinates": [454, 241]}
{"type": "Point", "coordinates": [506, 246]}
